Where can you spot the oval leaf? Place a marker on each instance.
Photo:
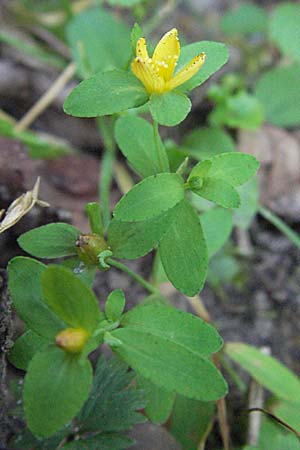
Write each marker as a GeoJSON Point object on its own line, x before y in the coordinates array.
{"type": "Point", "coordinates": [150, 198]}
{"type": "Point", "coordinates": [217, 226]}
{"type": "Point", "coordinates": [25, 347]}
{"type": "Point", "coordinates": [266, 370]}
{"type": "Point", "coordinates": [106, 93]}
{"type": "Point", "coordinates": [54, 240]}
{"type": "Point", "coordinates": [169, 365]}
{"type": "Point", "coordinates": [131, 240]}
{"type": "Point", "coordinates": [234, 167]}
{"type": "Point", "coordinates": [159, 401]}
{"type": "Point", "coordinates": [177, 326]}
{"type": "Point", "coordinates": [114, 305]}
{"type": "Point", "coordinates": [135, 138]}
{"type": "Point", "coordinates": [99, 41]}
{"type": "Point", "coordinates": [169, 109]}
{"type": "Point", "coordinates": [284, 28]}
{"type": "Point", "coordinates": [25, 286]}
{"type": "Point", "coordinates": [55, 388]}
{"type": "Point", "coordinates": [216, 56]}
{"type": "Point", "coordinates": [219, 191]}
{"type": "Point", "coordinates": [183, 251]}
{"type": "Point", "coordinates": [207, 142]}
{"type": "Point", "coordinates": [70, 298]}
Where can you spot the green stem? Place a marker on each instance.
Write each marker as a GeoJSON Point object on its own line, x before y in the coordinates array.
{"type": "Point", "coordinates": [106, 167]}
{"type": "Point", "coordinates": [135, 276]}
{"type": "Point", "coordinates": [241, 385]}
{"type": "Point", "coordinates": [280, 225]}
{"type": "Point", "coordinates": [160, 151]}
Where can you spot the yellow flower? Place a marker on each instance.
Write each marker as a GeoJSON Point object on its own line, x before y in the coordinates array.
{"type": "Point", "coordinates": [156, 73]}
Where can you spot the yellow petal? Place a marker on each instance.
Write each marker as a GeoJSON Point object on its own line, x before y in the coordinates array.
{"type": "Point", "coordinates": [141, 49]}
{"type": "Point", "coordinates": [187, 72]}
{"type": "Point", "coordinates": [147, 74]}
{"type": "Point", "coordinates": [166, 54]}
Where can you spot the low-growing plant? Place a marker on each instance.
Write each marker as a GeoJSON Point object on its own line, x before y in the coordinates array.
{"type": "Point", "coordinates": [182, 209]}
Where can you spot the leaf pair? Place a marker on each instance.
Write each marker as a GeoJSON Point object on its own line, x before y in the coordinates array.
{"type": "Point", "coordinates": [57, 382]}
{"type": "Point", "coordinates": [155, 212]}
{"type": "Point", "coordinates": [215, 179]}
{"type": "Point", "coordinates": [172, 349]}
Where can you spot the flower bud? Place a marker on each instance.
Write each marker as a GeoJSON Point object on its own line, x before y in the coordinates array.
{"type": "Point", "coordinates": [195, 183]}
{"type": "Point", "coordinates": [72, 339]}
{"type": "Point", "coordinates": [89, 246]}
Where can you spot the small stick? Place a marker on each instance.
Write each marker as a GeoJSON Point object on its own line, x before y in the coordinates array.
{"type": "Point", "coordinates": [47, 98]}
{"type": "Point", "coordinates": [200, 309]}
{"type": "Point", "coordinates": [256, 403]}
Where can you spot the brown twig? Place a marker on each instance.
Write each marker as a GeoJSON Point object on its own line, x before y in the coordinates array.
{"type": "Point", "coordinates": [47, 98]}
{"type": "Point", "coordinates": [273, 417]}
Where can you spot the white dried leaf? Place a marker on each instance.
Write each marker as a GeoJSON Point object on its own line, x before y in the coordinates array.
{"type": "Point", "coordinates": [21, 206]}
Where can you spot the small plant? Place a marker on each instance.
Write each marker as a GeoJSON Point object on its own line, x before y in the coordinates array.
{"type": "Point", "coordinates": [182, 209]}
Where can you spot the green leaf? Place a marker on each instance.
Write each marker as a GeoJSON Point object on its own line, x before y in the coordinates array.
{"type": "Point", "coordinates": [150, 198]}
{"type": "Point", "coordinates": [207, 142]}
{"type": "Point", "coordinates": [266, 370]}
{"type": "Point", "coordinates": [159, 401]}
{"type": "Point", "coordinates": [191, 421]}
{"type": "Point", "coordinates": [276, 437]}
{"type": "Point", "coordinates": [33, 50]}
{"type": "Point", "coordinates": [176, 326]}
{"type": "Point", "coordinates": [131, 240]}
{"type": "Point", "coordinates": [222, 269]}
{"type": "Point", "coordinates": [106, 93]}
{"type": "Point", "coordinates": [25, 347]}
{"type": "Point", "coordinates": [124, 3]}
{"type": "Point", "coordinates": [82, 271]}
{"type": "Point", "coordinates": [135, 35]}
{"type": "Point", "coordinates": [169, 365]}
{"type": "Point", "coordinates": [249, 193]}
{"type": "Point", "coordinates": [284, 28]}
{"type": "Point", "coordinates": [288, 412]}
{"type": "Point", "coordinates": [169, 109]}
{"type": "Point", "coordinates": [50, 241]}
{"type": "Point", "coordinates": [217, 226]}
{"type": "Point", "coordinates": [38, 147]}
{"type": "Point", "coordinates": [99, 41]}
{"type": "Point", "coordinates": [235, 168]}
{"type": "Point", "coordinates": [135, 138]}
{"type": "Point", "coordinates": [216, 56]}
{"type": "Point", "coordinates": [282, 106]}
{"type": "Point", "coordinates": [242, 110]}
{"type": "Point", "coordinates": [219, 191]}
{"type": "Point", "coordinates": [25, 286]}
{"type": "Point", "coordinates": [55, 388]}
{"type": "Point", "coordinates": [115, 305]}
{"type": "Point", "coordinates": [113, 401]}
{"type": "Point", "coordinates": [247, 18]}
{"type": "Point", "coordinates": [103, 441]}
{"type": "Point", "coordinates": [183, 251]}
{"type": "Point", "coordinates": [70, 298]}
